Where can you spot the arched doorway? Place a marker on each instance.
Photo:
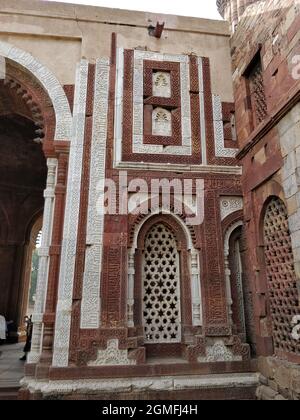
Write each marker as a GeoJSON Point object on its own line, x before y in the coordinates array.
{"type": "Point", "coordinates": [23, 174]}
{"type": "Point", "coordinates": [164, 287]}
{"type": "Point", "coordinates": [239, 291]}
{"type": "Point", "coordinates": [283, 296]}
{"type": "Point", "coordinates": [30, 270]}
{"type": "Point", "coordinates": [31, 91]}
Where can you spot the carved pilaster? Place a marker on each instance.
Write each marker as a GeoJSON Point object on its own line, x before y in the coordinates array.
{"type": "Point", "coordinates": [43, 262]}
{"type": "Point", "coordinates": [130, 300]}
{"type": "Point", "coordinates": [196, 294]}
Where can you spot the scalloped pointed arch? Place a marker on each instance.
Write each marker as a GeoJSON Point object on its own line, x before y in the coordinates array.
{"type": "Point", "coordinates": [49, 82]}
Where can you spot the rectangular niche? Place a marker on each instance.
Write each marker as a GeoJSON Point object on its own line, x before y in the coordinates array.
{"type": "Point", "coordinates": [161, 84]}
{"type": "Point", "coordinates": [161, 122]}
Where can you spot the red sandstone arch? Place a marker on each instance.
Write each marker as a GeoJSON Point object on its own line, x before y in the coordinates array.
{"type": "Point", "coordinates": [135, 220]}
{"type": "Point", "coordinates": [26, 102]}
{"type": "Point", "coordinates": [47, 82]}
{"type": "Point", "coordinates": [28, 98]}
{"type": "Point", "coordinates": [171, 223]}
{"type": "Point", "coordinates": [231, 220]}
{"type": "Point", "coordinates": [274, 190]}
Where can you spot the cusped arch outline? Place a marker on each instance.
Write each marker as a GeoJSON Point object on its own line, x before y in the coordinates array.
{"type": "Point", "coordinates": [49, 82]}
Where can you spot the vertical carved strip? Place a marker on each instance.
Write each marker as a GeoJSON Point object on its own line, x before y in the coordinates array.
{"type": "Point", "coordinates": [90, 306]}
{"type": "Point", "coordinates": [67, 268]}
{"type": "Point", "coordinates": [202, 112]}
{"type": "Point", "coordinates": [130, 300]}
{"type": "Point", "coordinates": [54, 256]}
{"type": "Point", "coordinates": [195, 286]}
{"type": "Point", "coordinates": [119, 105]}
{"type": "Point", "coordinates": [228, 287]}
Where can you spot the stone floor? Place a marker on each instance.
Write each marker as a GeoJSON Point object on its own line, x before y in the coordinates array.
{"type": "Point", "coordinates": [11, 368]}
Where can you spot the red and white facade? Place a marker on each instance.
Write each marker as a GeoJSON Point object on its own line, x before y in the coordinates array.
{"type": "Point", "coordinates": [169, 254]}
{"type": "Point", "coordinates": [131, 294]}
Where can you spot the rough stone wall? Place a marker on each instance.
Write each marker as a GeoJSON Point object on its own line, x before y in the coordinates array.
{"type": "Point", "coordinates": [273, 26]}
{"type": "Point", "coordinates": [232, 10]}
{"type": "Point", "coordinates": [289, 132]}
{"type": "Point", "coordinates": [279, 380]}
{"type": "Point", "coordinates": [270, 155]}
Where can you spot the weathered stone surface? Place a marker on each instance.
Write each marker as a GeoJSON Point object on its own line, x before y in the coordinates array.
{"type": "Point", "coordinates": [266, 393]}
{"type": "Point", "coordinates": [282, 377]}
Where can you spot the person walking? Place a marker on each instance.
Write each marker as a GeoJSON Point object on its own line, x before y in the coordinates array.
{"type": "Point", "coordinates": [27, 346]}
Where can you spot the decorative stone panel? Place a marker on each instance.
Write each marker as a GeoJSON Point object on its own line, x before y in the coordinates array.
{"type": "Point", "coordinates": [281, 277]}
{"type": "Point", "coordinates": [161, 287]}
{"type": "Point", "coordinates": [229, 205]}
{"type": "Point", "coordinates": [162, 84]}
{"type": "Point", "coordinates": [220, 149]}
{"type": "Point", "coordinates": [68, 255]}
{"type": "Point", "coordinates": [112, 356]}
{"type": "Point", "coordinates": [141, 75]}
{"type": "Point", "coordinates": [161, 122]}
{"type": "Point", "coordinates": [50, 84]}
{"type": "Point", "coordinates": [90, 306]}
{"type": "Point", "coordinates": [180, 84]}
{"type": "Point", "coordinates": [218, 352]}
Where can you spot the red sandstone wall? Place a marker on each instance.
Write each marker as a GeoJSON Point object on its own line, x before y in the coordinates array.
{"type": "Point", "coordinates": [276, 30]}
{"type": "Point", "coordinates": [273, 32]}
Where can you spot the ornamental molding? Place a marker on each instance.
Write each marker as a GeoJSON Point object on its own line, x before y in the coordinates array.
{"type": "Point", "coordinates": [218, 352]}
{"type": "Point", "coordinates": [220, 149]}
{"type": "Point", "coordinates": [112, 356]}
{"type": "Point", "coordinates": [68, 255]}
{"type": "Point", "coordinates": [129, 384]}
{"type": "Point", "coordinates": [90, 305]}
{"type": "Point", "coordinates": [49, 82]}
{"type": "Point", "coordinates": [166, 167]}
{"type": "Point", "coordinates": [229, 205]}
{"type": "Point", "coordinates": [138, 105]}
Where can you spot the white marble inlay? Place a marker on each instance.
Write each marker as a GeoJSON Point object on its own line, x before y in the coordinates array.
{"type": "Point", "coordinates": [90, 305]}
{"type": "Point", "coordinates": [69, 242]}
{"type": "Point", "coordinates": [138, 107]}
{"type": "Point", "coordinates": [220, 149]}
{"type": "Point", "coordinates": [112, 356]}
{"type": "Point", "coordinates": [229, 205]}
{"type": "Point", "coordinates": [49, 82]}
{"type": "Point", "coordinates": [161, 84]}
{"type": "Point", "coordinates": [161, 122]}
